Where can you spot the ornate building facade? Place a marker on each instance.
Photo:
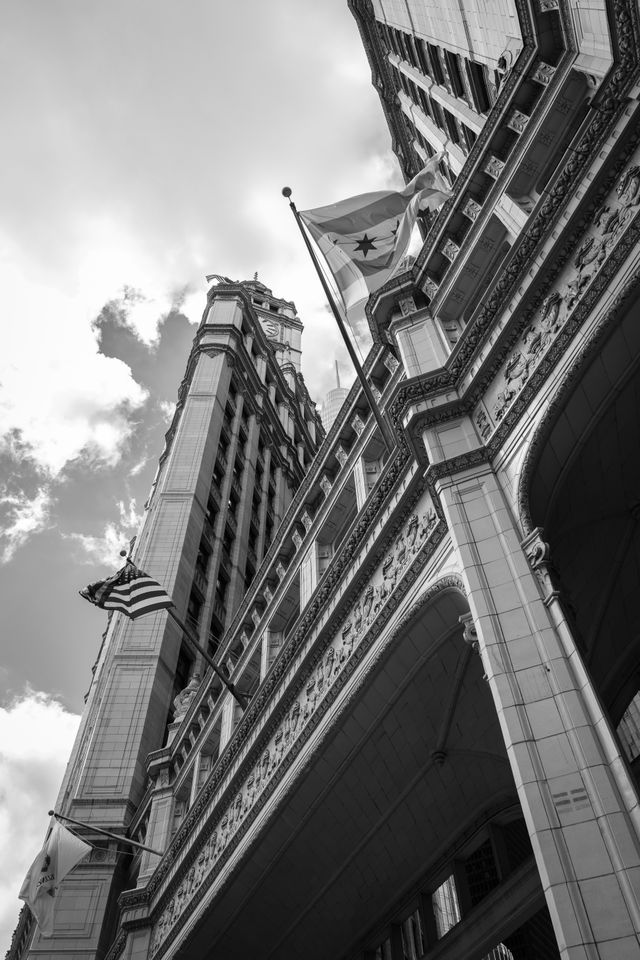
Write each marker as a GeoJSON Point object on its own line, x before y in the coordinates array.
{"type": "Point", "coordinates": [440, 755]}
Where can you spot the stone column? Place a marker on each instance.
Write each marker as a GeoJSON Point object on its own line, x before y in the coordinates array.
{"type": "Point", "coordinates": [160, 817]}
{"type": "Point", "coordinates": [579, 803]}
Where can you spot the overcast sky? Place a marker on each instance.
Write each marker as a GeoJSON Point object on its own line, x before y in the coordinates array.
{"type": "Point", "coordinates": [145, 144]}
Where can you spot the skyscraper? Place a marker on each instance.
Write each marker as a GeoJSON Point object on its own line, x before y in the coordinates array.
{"type": "Point", "coordinates": [440, 636]}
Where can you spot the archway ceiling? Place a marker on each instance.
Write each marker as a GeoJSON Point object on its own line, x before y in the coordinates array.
{"type": "Point", "coordinates": [585, 494]}
{"type": "Point", "coordinates": [371, 812]}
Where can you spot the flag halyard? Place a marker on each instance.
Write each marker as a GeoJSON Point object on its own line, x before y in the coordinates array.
{"type": "Point", "coordinates": [130, 591]}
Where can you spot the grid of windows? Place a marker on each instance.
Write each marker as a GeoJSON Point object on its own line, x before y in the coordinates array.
{"type": "Point", "coordinates": [629, 729]}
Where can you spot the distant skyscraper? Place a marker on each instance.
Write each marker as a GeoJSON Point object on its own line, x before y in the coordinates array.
{"type": "Point", "coordinates": [333, 402]}
{"type": "Point", "coordinates": [441, 633]}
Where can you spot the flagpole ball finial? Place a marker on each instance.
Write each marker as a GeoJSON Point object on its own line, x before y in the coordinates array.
{"type": "Point", "coordinates": [286, 192]}
{"type": "Point", "coordinates": [123, 553]}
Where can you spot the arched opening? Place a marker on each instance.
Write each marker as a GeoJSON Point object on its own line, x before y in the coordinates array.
{"type": "Point", "coordinates": [583, 489]}
{"type": "Point", "coordinates": [400, 834]}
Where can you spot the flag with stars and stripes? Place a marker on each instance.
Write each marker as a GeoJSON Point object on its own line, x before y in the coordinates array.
{"type": "Point", "coordinates": [364, 238]}
{"type": "Point", "coordinates": [130, 590]}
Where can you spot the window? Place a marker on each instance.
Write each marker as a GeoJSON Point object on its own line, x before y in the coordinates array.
{"type": "Point", "coordinates": [446, 908]}
{"type": "Point", "coordinates": [628, 729]}
{"type": "Point", "coordinates": [453, 66]}
{"type": "Point", "coordinates": [436, 66]}
{"type": "Point", "coordinates": [412, 937]}
{"type": "Point", "coordinates": [383, 952]}
{"type": "Point", "coordinates": [479, 88]}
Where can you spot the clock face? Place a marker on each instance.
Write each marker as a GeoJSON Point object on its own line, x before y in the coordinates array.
{"type": "Point", "coordinates": [272, 329]}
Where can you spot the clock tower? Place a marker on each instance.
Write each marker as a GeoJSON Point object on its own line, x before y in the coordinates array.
{"type": "Point", "coordinates": [280, 323]}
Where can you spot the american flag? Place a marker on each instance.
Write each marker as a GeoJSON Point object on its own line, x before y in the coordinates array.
{"type": "Point", "coordinates": [130, 590]}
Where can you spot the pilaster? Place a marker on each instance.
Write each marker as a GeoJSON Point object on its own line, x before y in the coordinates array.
{"type": "Point", "coordinates": [579, 803]}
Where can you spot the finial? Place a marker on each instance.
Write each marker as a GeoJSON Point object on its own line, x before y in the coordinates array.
{"type": "Point", "coordinates": [123, 553]}
{"type": "Point", "coordinates": [286, 192]}
{"type": "Point", "coordinates": [255, 276]}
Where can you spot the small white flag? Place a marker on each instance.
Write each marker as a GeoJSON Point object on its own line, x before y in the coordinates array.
{"type": "Point", "coordinates": [61, 851]}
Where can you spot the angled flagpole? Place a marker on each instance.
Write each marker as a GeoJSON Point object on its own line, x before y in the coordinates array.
{"type": "Point", "coordinates": [106, 833]}
{"type": "Point", "coordinates": [241, 698]}
{"type": "Point", "coordinates": [384, 428]}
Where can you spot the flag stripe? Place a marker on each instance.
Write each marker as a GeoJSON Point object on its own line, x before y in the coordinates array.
{"type": "Point", "coordinates": [130, 591]}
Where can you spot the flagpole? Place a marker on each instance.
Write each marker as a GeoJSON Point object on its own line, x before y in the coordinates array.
{"type": "Point", "coordinates": [384, 429]}
{"type": "Point", "coordinates": [106, 833]}
{"type": "Point", "coordinates": [241, 698]}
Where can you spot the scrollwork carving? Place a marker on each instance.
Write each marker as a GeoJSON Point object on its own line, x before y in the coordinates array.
{"type": "Point", "coordinates": [408, 544]}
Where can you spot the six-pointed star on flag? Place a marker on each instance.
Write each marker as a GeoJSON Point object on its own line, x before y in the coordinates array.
{"type": "Point", "coordinates": [365, 245]}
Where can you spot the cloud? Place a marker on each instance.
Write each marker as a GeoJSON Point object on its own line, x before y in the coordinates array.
{"type": "Point", "coordinates": [36, 736]}
{"type": "Point", "coordinates": [105, 548]}
{"type": "Point", "coordinates": [20, 518]}
{"type": "Point", "coordinates": [168, 409]}
{"type": "Point", "coordinates": [59, 395]}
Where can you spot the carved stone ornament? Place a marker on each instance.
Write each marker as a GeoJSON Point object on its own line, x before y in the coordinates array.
{"type": "Point", "coordinates": [280, 571]}
{"type": "Point", "coordinates": [494, 167]}
{"type": "Point", "coordinates": [185, 698]}
{"type": "Point", "coordinates": [430, 288]}
{"type": "Point", "coordinates": [268, 594]}
{"type": "Point", "coordinates": [483, 423]}
{"type": "Point", "coordinates": [518, 121]}
{"type": "Point", "coordinates": [609, 224]}
{"type": "Point", "coordinates": [255, 616]}
{"type": "Point", "coordinates": [297, 539]}
{"type": "Point", "coordinates": [341, 454]}
{"type": "Point", "coordinates": [544, 6]}
{"type": "Point", "coordinates": [325, 484]}
{"type": "Point", "coordinates": [307, 522]}
{"type": "Point", "coordinates": [391, 362]}
{"type": "Point", "coordinates": [470, 636]}
{"type": "Point", "coordinates": [450, 249]}
{"type": "Point", "coordinates": [365, 611]}
{"type": "Point", "coordinates": [537, 553]}
{"type": "Point", "coordinates": [358, 424]}
{"type": "Point", "coordinates": [471, 209]}
{"type": "Point", "coordinates": [543, 73]}
{"type": "Point", "coordinates": [407, 306]}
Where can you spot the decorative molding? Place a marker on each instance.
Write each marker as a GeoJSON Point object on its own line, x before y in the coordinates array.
{"type": "Point", "coordinates": [560, 398]}
{"type": "Point", "coordinates": [494, 167]}
{"type": "Point", "coordinates": [471, 209]}
{"type": "Point", "coordinates": [358, 424]}
{"type": "Point", "coordinates": [341, 454]}
{"type": "Point", "coordinates": [450, 249]}
{"type": "Point", "coordinates": [537, 552]}
{"type": "Point", "coordinates": [609, 223]}
{"type": "Point", "coordinates": [317, 690]}
{"type": "Point", "coordinates": [518, 121]}
{"type": "Point", "coordinates": [325, 484]}
{"type": "Point", "coordinates": [543, 73]}
{"type": "Point", "coordinates": [430, 287]}
{"type": "Point", "coordinates": [407, 306]}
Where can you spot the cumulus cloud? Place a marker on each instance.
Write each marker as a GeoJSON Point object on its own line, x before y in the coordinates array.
{"type": "Point", "coordinates": [62, 397]}
{"type": "Point", "coordinates": [105, 548]}
{"type": "Point", "coordinates": [20, 518]}
{"type": "Point", "coordinates": [168, 408]}
{"type": "Point", "coordinates": [36, 736]}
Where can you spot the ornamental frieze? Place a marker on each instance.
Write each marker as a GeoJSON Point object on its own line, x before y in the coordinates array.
{"type": "Point", "coordinates": [366, 610]}
{"type": "Point", "coordinates": [607, 228]}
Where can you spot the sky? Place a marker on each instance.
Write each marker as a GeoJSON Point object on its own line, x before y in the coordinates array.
{"type": "Point", "coordinates": [145, 145]}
